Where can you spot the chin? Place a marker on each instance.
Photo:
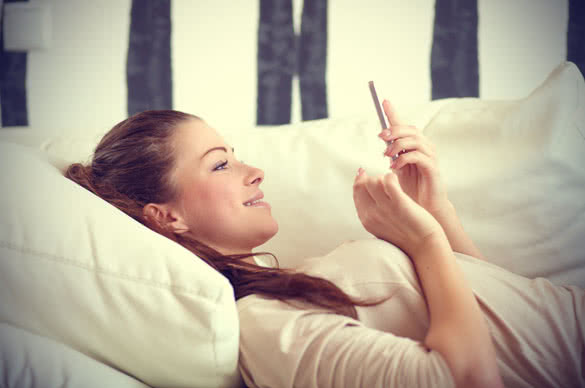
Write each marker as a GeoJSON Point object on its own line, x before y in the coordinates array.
{"type": "Point", "coordinates": [267, 233]}
{"type": "Point", "coordinates": [271, 231]}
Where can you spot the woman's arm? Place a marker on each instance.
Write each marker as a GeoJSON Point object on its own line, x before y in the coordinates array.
{"type": "Point", "coordinates": [457, 328]}
{"type": "Point", "coordinates": [457, 236]}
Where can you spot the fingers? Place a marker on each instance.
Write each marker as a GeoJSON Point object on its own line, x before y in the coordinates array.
{"type": "Point", "coordinates": [409, 144]}
{"type": "Point", "coordinates": [367, 190]}
{"type": "Point", "coordinates": [406, 144]}
{"type": "Point", "coordinates": [424, 162]}
{"type": "Point", "coordinates": [391, 186]}
{"type": "Point", "coordinates": [375, 190]}
{"type": "Point", "coordinates": [361, 196]}
{"type": "Point", "coordinates": [399, 131]}
{"type": "Point", "coordinates": [393, 118]}
{"type": "Point", "coordinates": [407, 139]}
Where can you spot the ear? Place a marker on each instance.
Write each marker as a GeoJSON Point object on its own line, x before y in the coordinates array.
{"type": "Point", "coordinates": [165, 218]}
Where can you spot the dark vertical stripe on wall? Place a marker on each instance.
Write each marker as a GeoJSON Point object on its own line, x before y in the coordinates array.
{"type": "Point", "coordinates": [576, 34]}
{"type": "Point", "coordinates": [276, 62]}
{"type": "Point", "coordinates": [454, 56]}
{"type": "Point", "coordinates": [148, 67]}
{"type": "Point", "coordinates": [313, 59]}
{"type": "Point", "coordinates": [12, 83]}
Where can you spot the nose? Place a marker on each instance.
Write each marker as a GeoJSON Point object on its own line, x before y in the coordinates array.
{"type": "Point", "coordinates": [255, 176]}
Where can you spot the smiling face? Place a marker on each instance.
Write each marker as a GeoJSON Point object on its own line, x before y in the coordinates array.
{"type": "Point", "coordinates": [219, 201]}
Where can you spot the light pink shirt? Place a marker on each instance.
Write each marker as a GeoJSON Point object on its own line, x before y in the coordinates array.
{"type": "Point", "coordinates": [537, 327]}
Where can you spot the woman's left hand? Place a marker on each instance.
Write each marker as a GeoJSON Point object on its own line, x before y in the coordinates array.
{"type": "Point", "coordinates": [414, 160]}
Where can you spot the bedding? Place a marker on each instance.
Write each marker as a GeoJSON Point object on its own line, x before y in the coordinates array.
{"type": "Point", "coordinates": [81, 273]}
{"type": "Point", "coordinates": [49, 363]}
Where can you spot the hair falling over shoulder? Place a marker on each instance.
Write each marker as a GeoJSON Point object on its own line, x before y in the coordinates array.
{"type": "Point", "coordinates": [131, 167]}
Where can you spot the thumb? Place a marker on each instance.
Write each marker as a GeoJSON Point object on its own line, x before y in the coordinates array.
{"type": "Point", "coordinates": [393, 118]}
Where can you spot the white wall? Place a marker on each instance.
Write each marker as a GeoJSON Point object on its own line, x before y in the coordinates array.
{"type": "Point", "coordinates": [79, 84]}
{"type": "Point", "coordinates": [214, 60]}
{"type": "Point", "coordinates": [520, 42]}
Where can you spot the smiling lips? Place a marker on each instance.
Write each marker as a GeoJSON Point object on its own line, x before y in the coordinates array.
{"type": "Point", "coordinates": [256, 201]}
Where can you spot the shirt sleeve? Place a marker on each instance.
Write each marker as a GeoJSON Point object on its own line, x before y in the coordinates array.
{"type": "Point", "coordinates": [281, 346]}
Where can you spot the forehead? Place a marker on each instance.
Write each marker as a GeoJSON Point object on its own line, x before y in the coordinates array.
{"type": "Point", "coordinates": [194, 137]}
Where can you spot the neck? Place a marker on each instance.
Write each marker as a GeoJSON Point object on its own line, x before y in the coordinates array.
{"type": "Point", "coordinates": [236, 251]}
{"type": "Point", "coordinates": [250, 260]}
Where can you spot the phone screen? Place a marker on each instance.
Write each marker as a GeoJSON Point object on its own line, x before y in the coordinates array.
{"type": "Point", "coordinates": [378, 106]}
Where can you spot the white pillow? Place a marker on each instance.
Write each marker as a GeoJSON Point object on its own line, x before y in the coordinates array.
{"type": "Point", "coordinates": [515, 171]}
{"type": "Point", "coordinates": [29, 360]}
{"type": "Point", "coordinates": [76, 270]}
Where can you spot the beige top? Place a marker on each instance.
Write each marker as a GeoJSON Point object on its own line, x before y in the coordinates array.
{"type": "Point", "coordinates": [537, 327]}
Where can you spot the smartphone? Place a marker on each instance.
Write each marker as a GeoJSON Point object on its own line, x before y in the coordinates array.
{"type": "Point", "coordinates": [378, 106]}
{"type": "Point", "coordinates": [381, 115]}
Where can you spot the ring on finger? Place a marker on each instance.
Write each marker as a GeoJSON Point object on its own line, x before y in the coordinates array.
{"type": "Point", "coordinates": [398, 154]}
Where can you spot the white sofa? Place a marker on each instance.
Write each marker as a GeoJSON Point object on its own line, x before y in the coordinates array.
{"type": "Point", "coordinates": [89, 297]}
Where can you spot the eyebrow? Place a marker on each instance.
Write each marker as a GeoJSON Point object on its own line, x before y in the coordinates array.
{"type": "Point", "coordinates": [215, 149]}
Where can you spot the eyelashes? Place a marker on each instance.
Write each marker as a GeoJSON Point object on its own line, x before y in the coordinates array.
{"type": "Point", "coordinates": [220, 166]}
{"type": "Point", "coordinates": [223, 165]}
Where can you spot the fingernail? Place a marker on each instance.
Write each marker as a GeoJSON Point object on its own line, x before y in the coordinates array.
{"type": "Point", "coordinates": [360, 170]}
{"type": "Point", "coordinates": [384, 133]}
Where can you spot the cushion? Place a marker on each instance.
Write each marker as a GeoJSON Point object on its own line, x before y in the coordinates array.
{"type": "Point", "coordinates": [28, 359]}
{"type": "Point", "coordinates": [515, 171]}
{"type": "Point", "coordinates": [80, 272]}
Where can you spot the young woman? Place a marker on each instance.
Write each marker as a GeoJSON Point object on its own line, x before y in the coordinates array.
{"type": "Point", "coordinates": [432, 313]}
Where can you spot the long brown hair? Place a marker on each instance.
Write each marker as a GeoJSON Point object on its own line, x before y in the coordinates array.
{"type": "Point", "coordinates": [131, 167]}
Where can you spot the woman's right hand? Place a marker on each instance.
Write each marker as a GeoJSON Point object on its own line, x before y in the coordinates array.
{"type": "Point", "coordinates": [390, 214]}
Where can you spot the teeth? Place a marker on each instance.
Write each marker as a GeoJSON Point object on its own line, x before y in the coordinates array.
{"type": "Point", "coordinates": [251, 203]}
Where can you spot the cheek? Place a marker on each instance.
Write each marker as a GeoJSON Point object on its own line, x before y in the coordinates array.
{"type": "Point", "coordinates": [210, 200]}
{"type": "Point", "coordinates": [219, 194]}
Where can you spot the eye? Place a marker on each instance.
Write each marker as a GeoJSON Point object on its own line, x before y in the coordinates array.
{"type": "Point", "coordinates": [220, 166]}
